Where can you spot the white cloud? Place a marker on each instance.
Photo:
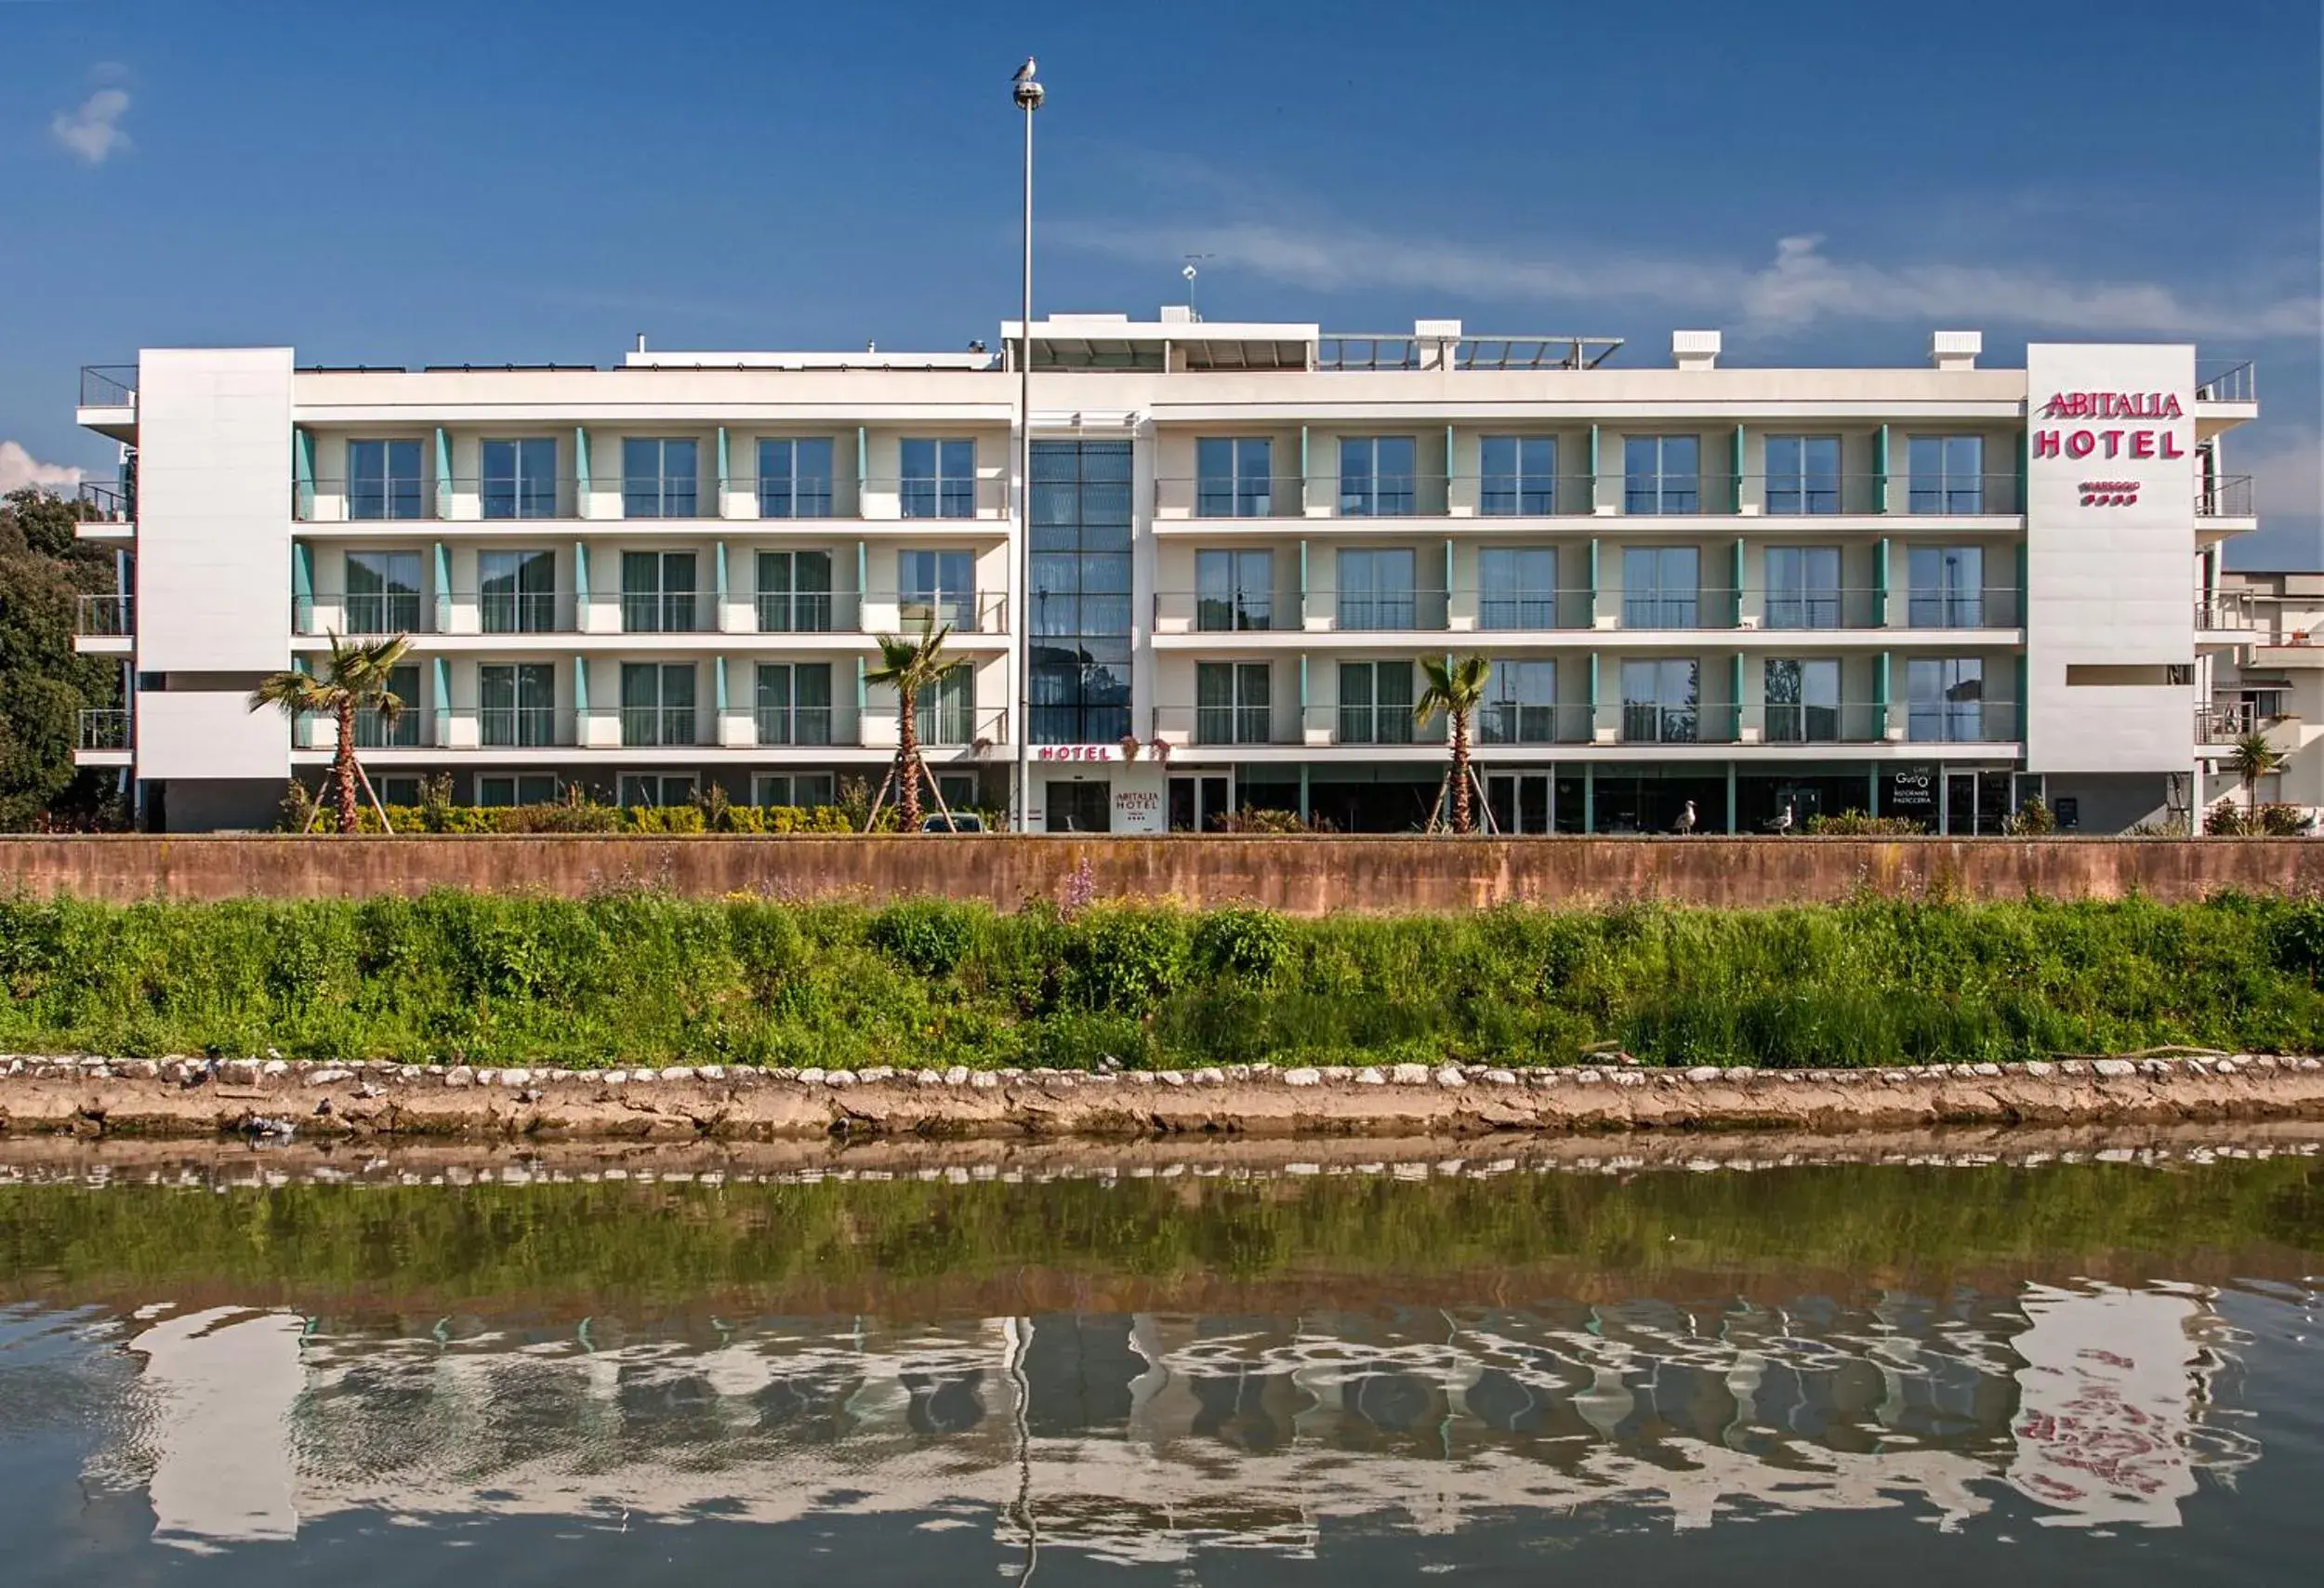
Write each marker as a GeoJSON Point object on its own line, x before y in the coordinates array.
{"type": "Point", "coordinates": [1800, 287]}
{"type": "Point", "coordinates": [20, 469]}
{"type": "Point", "coordinates": [93, 130]}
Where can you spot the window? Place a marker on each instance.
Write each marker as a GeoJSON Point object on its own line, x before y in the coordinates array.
{"type": "Point", "coordinates": [794, 703]}
{"type": "Point", "coordinates": [946, 714]}
{"type": "Point", "coordinates": [1234, 477]}
{"type": "Point", "coordinates": [1376, 476]}
{"type": "Point", "coordinates": [1517, 476]}
{"type": "Point", "coordinates": [1803, 474]}
{"type": "Point", "coordinates": [1945, 699]}
{"type": "Point", "coordinates": [517, 788]}
{"type": "Point", "coordinates": [958, 790]}
{"type": "Point", "coordinates": [1517, 586]}
{"type": "Point", "coordinates": [1661, 585]}
{"type": "Point", "coordinates": [382, 593]}
{"type": "Point", "coordinates": [1945, 586]}
{"type": "Point", "coordinates": [1233, 590]}
{"type": "Point", "coordinates": [805, 789]}
{"type": "Point", "coordinates": [517, 705]}
{"type": "Point", "coordinates": [795, 477]}
{"type": "Point", "coordinates": [657, 788]}
{"type": "Point", "coordinates": [1662, 474]}
{"type": "Point", "coordinates": [1376, 589]}
{"type": "Point", "coordinates": [795, 592]}
{"type": "Point", "coordinates": [518, 594]}
{"type": "Point", "coordinates": [1375, 703]}
{"type": "Point", "coordinates": [658, 594]}
{"type": "Point", "coordinates": [1659, 702]}
{"type": "Point", "coordinates": [1232, 703]}
{"type": "Point", "coordinates": [1079, 647]}
{"type": "Point", "coordinates": [1804, 587]}
{"type": "Point", "coordinates": [1520, 704]}
{"type": "Point", "coordinates": [1802, 701]}
{"type": "Point", "coordinates": [940, 479]}
{"type": "Point", "coordinates": [383, 479]}
{"type": "Point", "coordinates": [939, 586]}
{"type": "Point", "coordinates": [1947, 474]}
{"type": "Point", "coordinates": [660, 477]}
{"type": "Point", "coordinates": [398, 791]}
{"type": "Point", "coordinates": [374, 732]}
{"type": "Point", "coordinates": [657, 703]}
{"type": "Point", "coordinates": [521, 478]}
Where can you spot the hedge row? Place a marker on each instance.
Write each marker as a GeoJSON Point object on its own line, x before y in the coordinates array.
{"type": "Point", "coordinates": [640, 977]}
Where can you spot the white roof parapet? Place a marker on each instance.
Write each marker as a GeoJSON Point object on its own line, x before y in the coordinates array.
{"type": "Point", "coordinates": [1695, 349]}
{"type": "Point", "coordinates": [1955, 350]}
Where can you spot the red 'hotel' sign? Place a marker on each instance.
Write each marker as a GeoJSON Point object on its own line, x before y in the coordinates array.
{"type": "Point", "coordinates": [2111, 443]}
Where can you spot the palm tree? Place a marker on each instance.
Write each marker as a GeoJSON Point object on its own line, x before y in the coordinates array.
{"type": "Point", "coordinates": [911, 666]}
{"type": "Point", "coordinates": [353, 680]}
{"type": "Point", "coordinates": [1455, 687]}
{"type": "Point", "coordinates": [2254, 757]}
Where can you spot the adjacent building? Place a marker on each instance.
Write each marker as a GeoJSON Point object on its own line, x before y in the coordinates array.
{"type": "Point", "coordinates": [1933, 592]}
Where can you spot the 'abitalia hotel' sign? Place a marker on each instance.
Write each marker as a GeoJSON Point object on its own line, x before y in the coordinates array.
{"type": "Point", "coordinates": [2108, 425]}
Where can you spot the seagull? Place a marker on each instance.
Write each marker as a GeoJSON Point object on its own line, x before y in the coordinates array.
{"type": "Point", "coordinates": [1024, 72]}
{"type": "Point", "coordinates": [1782, 824]}
{"type": "Point", "coordinates": [1685, 823]}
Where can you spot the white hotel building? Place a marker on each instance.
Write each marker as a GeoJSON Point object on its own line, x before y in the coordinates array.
{"type": "Point", "coordinates": [1931, 591]}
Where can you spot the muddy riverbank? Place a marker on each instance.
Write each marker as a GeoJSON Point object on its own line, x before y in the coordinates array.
{"type": "Point", "coordinates": [320, 1101]}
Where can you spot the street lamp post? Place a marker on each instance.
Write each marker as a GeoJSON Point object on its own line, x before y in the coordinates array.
{"type": "Point", "coordinates": [1029, 97]}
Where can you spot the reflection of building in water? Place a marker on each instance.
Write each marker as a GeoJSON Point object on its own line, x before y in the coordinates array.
{"type": "Point", "coordinates": [1144, 1435]}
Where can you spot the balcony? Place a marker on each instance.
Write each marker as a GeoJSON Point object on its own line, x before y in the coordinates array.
{"type": "Point", "coordinates": [1189, 619]}
{"type": "Point", "coordinates": [108, 400]}
{"type": "Point", "coordinates": [2229, 383]}
{"type": "Point", "coordinates": [105, 733]}
{"type": "Point", "coordinates": [2229, 618]}
{"type": "Point", "coordinates": [2228, 496]}
{"type": "Point", "coordinates": [1220, 504]}
{"type": "Point", "coordinates": [925, 506]}
{"type": "Point", "coordinates": [106, 625]}
{"type": "Point", "coordinates": [107, 514]}
{"type": "Point", "coordinates": [2221, 726]}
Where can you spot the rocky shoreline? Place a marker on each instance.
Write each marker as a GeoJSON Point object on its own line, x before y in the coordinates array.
{"type": "Point", "coordinates": [187, 1097]}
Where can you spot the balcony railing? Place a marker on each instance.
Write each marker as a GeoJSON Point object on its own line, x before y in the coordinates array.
{"type": "Point", "coordinates": [1395, 611]}
{"type": "Point", "coordinates": [107, 616]}
{"type": "Point", "coordinates": [469, 498]}
{"type": "Point", "coordinates": [651, 725]}
{"type": "Point", "coordinates": [2226, 496]}
{"type": "Point", "coordinates": [364, 617]}
{"type": "Point", "coordinates": [109, 386]}
{"type": "Point", "coordinates": [2228, 609]}
{"type": "Point", "coordinates": [2224, 725]}
{"type": "Point", "coordinates": [105, 504]}
{"type": "Point", "coordinates": [107, 728]}
{"type": "Point", "coordinates": [794, 725]}
{"type": "Point", "coordinates": [519, 727]}
{"type": "Point", "coordinates": [1708, 493]}
{"type": "Point", "coordinates": [1514, 609]}
{"type": "Point", "coordinates": [2222, 382]}
{"type": "Point", "coordinates": [968, 612]}
{"type": "Point", "coordinates": [806, 612]}
{"type": "Point", "coordinates": [1224, 725]}
{"type": "Point", "coordinates": [669, 612]}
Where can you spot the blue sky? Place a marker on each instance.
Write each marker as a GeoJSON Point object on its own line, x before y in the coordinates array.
{"type": "Point", "coordinates": [520, 179]}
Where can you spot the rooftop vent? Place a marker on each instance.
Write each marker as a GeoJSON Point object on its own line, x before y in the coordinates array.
{"type": "Point", "coordinates": [1695, 349]}
{"type": "Point", "coordinates": [1955, 350]}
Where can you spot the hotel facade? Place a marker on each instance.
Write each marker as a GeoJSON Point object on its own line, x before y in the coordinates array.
{"type": "Point", "coordinates": [1934, 592]}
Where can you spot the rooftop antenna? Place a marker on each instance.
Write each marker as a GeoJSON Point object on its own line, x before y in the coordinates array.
{"type": "Point", "coordinates": [1189, 271]}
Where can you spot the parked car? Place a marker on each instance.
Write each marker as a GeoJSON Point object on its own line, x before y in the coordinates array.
{"type": "Point", "coordinates": [962, 822]}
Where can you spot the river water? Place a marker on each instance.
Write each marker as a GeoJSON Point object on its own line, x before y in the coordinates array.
{"type": "Point", "coordinates": [2073, 1360]}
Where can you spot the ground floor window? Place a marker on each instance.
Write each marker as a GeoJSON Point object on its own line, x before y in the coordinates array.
{"type": "Point", "coordinates": [517, 788]}
{"type": "Point", "coordinates": [806, 790]}
{"type": "Point", "coordinates": [397, 790]}
{"type": "Point", "coordinates": [657, 788]}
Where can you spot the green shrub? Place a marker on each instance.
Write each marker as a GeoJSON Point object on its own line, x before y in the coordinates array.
{"type": "Point", "coordinates": [1125, 957]}
{"type": "Point", "coordinates": [932, 936]}
{"type": "Point", "coordinates": [1855, 824]}
{"type": "Point", "coordinates": [1248, 944]}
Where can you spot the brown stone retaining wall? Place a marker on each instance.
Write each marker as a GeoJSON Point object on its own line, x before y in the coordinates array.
{"type": "Point", "coordinates": [1303, 875]}
{"type": "Point", "coordinates": [146, 1097]}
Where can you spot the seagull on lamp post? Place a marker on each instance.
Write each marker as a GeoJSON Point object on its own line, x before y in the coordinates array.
{"type": "Point", "coordinates": [1685, 823]}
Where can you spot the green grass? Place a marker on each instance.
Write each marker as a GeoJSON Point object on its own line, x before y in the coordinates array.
{"type": "Point", "coordinates": [644, 978]}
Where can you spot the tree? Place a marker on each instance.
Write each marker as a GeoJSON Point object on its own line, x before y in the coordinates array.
{"type": "Point", "coordinates": [911, 666]}
{"type": "Point", "coordinates": [44, 684]}
{"type": "Point", "coordinates": [353, 680]}
{"type": "Point", "coordinates": [2254, 757]}
{"type": "Point", "coordinates": [1456, 688]}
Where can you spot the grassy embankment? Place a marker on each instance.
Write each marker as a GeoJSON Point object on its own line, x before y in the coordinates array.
{"type": "Point", "coordinates": [645, 979]}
